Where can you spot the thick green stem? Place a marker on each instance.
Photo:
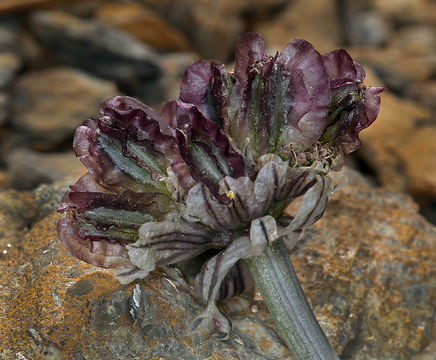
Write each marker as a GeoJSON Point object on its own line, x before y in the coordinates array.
{"type": "Point", "coordinates": [279, 286]}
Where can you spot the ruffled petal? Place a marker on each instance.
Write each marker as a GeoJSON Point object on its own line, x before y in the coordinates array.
{"type": "Point", "coordinates": [309, 94]}
{"type": "Point", "coordinates": [207, 151]}
{"type": "Point", "coordinates": [353, 106]}
{"type": "Point", "coordinates": [249, 50]}
{"type": "Point", "coordinates": [101, 222]}
{"type": "Point", "coordinates": [340, 65]}
{"type": "Point", "coordinates": [263, 232]}
{"type": "Point", "coordinates": [112, 168]}
{"type": "Point", "coordinates": [202, 206]}
{"type": "Point", "coordinates": [202, 86]}
{"type": "Point", "coordinates": [311, 209]}
{"type": "Point", "coordinates": [100, 252]}
{"type": "Point", "coordinates": [168, 242]}
{"type": "Point", "coordinates": [276, 104]}
{"type": "Point", "coordinates": [133, 123]}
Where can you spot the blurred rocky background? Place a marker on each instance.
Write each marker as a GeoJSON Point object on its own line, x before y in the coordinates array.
{"type": "Point", "coordinates": [369, 267]}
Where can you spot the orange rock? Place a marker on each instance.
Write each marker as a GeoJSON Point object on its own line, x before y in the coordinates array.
{"type": "Point", "coordinates": [367, 267]}
{"type": "Point", "coordinates": [298, 20]}
{"type": "Point", "coordinates": [145, 24]}
{"type": "Point", "coordinates": [400, 147]}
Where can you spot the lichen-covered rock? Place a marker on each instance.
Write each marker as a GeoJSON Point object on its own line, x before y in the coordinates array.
{"type": "Point", "coordinates": [367, 268]}
{"type": "Point", "coordinates": [17, 211]}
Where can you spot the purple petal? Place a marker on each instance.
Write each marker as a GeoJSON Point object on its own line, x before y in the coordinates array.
{"type": "Point", "coordinates": [310, 93]}
{"type": "Point", "coordinates": [86, 194]}
{"type": "Point", "coordinates": [311, 209]}
{"type": "Point", "coordinates": [277, 104]}
{"type": "Point", "coordinates": [207, 150]}
{"type": "Point", "coordinates": [340, 65]}
{"type": "Point", "coordinates": [354, 108]}
{"type": "Point", "coordinates": [120, 108]}
{"type": "Point", "coordinates": [208, 283]}
{"type": "Point", "coordinates": [250, 49]}
{"type": "Point", "coordinates": [99, 253]}
{"type": "Point", "coordinates": [130, 119]}
{"type": "Point", "coordinates": [202, 86]}
{"type": "Point", "coordinates": [168, 242]}
{"type": "Point", "coordinates": [104, 158]}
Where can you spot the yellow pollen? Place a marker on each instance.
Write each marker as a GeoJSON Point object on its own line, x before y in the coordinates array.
{"type": "Point", "coordinates": [230, 194]}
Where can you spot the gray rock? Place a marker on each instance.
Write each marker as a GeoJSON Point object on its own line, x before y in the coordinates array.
{"type": "Point", "coordinates": [8, 40]}
{"type": "Point", "coordinates": [368, 29]}
{"type": "Point", "coordinates": [97, 48]}
{"type": "Point", "coordinates": [48, 105]}
{"type": "Point", "coordinates": [213, 26]}
{"type": "Point", "coordinates": [423, 92]}
{"type": "Point", "coordinates": [4, 107]}
{"type": "Point", "coordinates": [28, 168]}
{"type": "Point", "coordinates": [9, 65]}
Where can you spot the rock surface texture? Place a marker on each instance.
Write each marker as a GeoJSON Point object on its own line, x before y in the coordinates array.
{"type": "Point", "coordinates": [367, 268]}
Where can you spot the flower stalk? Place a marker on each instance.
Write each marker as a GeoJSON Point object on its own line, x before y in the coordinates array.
{"type": "Point", "coordinates": [278, 284]}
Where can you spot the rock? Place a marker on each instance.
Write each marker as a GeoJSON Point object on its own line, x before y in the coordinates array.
{"type": "Point", "coordinates": [9, 65]}
{"type": "Point", "coordinates": [8, 6]}
{"type": "Point", "coordinates": [20, 210]}
{"type": "Point", "coordinates": [47, 196]}
{"type": "Point", "coordinates": [4, 107]}
{"type": "Point", "coordinates": [423, 92]}
{"type": "Point", "coordinates": [144, 24]}
{"type": "Point", "coordinates": [14, 39]}
{"type": "Point", "coordinates": [27, 168]}
{"type": "Point", "coordinates": [142, 321]}
{"type": "Point", "coordinates": [360, 266]}
{"type": "Point", "coordinates": [49, 105]}
{"type": "Point", "coordinates": [83, 9]}
{"type": "Point", "coordinates": [396, 67]}
{"type": "Point", "coordinates": [418, 40]}
{"type": "Point", "coordinates": [219, 33]}
{"type": "Point", "coordinates": [17, 212]}
{"type": "Point", "coordinates": [97, 48]}
{"type": "Point", "coordinates": [3, 178]}
{"type": "Point", "coordinates": [367, 268]}
{"type": "Point", "coordinates": [400, 147]}
{"type": "Point", "coordinates": [8, 40]}
{"type": "Point", "coordinates": [428, 353]}
{"type": "Point", "coordinates": [174, 65]}
{"type": "Point", "coordinates": [406, 12]}
{"type": "Point", "coordinates": [369, 29]}
{"type": "Point", "coordinates": [213, 37]}
{"type": "Point", "coordinates": [297, 21]}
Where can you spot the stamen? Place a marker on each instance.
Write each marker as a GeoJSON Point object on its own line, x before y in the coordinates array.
{"type": "Point", "coordinates": [230, 194]}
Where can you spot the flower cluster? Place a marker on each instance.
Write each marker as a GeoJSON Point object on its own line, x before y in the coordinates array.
{"type": "Point", "coordinates": [216, 168]}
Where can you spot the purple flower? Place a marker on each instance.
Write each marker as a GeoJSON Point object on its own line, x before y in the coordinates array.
{"type": "Point", "coordinates": [216, 168]}
{"type": "Point", "coordinates": [353, 106]}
